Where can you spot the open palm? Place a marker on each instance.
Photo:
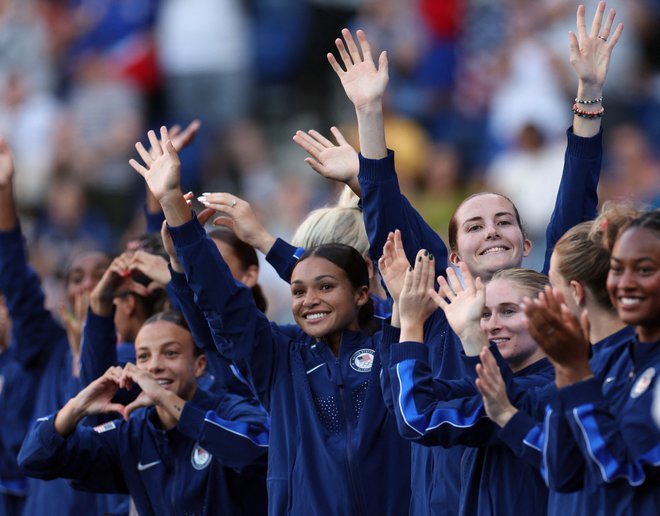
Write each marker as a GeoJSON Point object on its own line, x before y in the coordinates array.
{"type": "Point", "coordinates": [162, 168]}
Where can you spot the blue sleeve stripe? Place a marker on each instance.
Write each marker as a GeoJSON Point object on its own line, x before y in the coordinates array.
{"type": "Point", "coordinates": [239, 428]}
{"type": "Point", "coordinates": [544, 462]}
{"type": "Point", "coordinates": [610, 468]}
{"type": "Point", "coordinates": [237, 373]}
{"type": "Point", "coordinates": [421, 423]}
{"type": "Point", "coordinates": [535, 438]}
{"type": "Point", "coordinates": [298, 253]}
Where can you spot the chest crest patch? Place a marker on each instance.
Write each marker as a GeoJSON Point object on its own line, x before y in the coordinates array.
{"type": "Point", "coordinates": [642, 383]}
{"type": "Point", "coordinates": [200, 458]}
{"type": "Point", "coordinates": [362, 360]}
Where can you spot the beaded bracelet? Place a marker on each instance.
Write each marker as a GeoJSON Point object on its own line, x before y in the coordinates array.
{"type": "Point", "coordinates": [584, 101]}
{"type": "Point", "coordinates": [588, 114]}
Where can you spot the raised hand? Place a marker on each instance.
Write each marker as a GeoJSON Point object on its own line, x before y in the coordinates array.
{"type": "Point", "coordinates": [415, 304]}
{"type": "Point", "coordinates": [337, 162]}
{"type": "Point", "coordinates": [96, 398]}
{"type": "Point", "coordinates": [493, 391]}
{"type": "Point", "coordinates": [237, 215]}
{"type": "Point", "coordinates": [162, 168]}
{"type": "Point", "coordinates": [590, 52]}
{"type": "Point", "coordinates": [6, 164]}
{"type": "Point", "coordinates": [102, 296]}
{"type": "Point", "coordinates": [563, 337]}
{"type": "Point", "coordinates": [463, 304]}
{"type": "Point", "coordinates": [152, 266]}
{"type": "Point", "coordinates": [363, 83]}
{"type": "Point", "coordinates": [393, 264]}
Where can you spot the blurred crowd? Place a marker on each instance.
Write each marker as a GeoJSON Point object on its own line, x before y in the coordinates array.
{"type": "Point", "coordinates": [479, 97]}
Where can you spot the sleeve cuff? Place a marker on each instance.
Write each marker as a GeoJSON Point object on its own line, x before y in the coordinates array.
{"type": "Point", "coordinates": [390, 334]}
{"type": "Point", "coordinates": [48, 436]}
{"type": "Point", "coordinates": [515, 431]}
{"type": "Point", "coordinates": [377, 170]}
{"type": "Point", "coordinates": [580, 393]}
{"type": "Point", "coordinates": [191, 422]}
{"type": "Point", "coordinates": [187, 233]}
{"type": "Point", "coordinates": [282, 250]}
{"type": "Point", "coordinates": [100, 323]}
{"type": "Point", "coordinates": [12, 236]}
{"type": "Point", "coordinates": [408, 351]}
{"type": "Point", "coordinates": [585, 148]}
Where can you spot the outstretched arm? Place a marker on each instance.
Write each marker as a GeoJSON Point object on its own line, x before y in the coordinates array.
{"type": "Point", "coordinates": [590, 54]}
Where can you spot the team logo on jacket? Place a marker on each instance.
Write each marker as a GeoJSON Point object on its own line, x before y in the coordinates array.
{"type": "Point", "coordinates": [362, 360]}
{"type": "Point", "coordinates": [200, 458]}
{"type": "Point", "coordinates": [642, 383]}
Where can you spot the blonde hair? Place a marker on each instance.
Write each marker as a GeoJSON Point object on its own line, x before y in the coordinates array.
{"type": "Point", "coordinates": [531, 281]}
{"type": "Point", "coordinates": [339, 224]}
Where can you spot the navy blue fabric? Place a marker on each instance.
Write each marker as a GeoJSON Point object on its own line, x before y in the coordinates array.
{"type": "Point", "coordinates": [436, 471]}
{"type": "Point", "coordinates": [164, 471]}
{"type": "Point", "coordinates": [334, 446]}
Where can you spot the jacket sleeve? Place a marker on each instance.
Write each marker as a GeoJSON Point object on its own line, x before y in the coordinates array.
{"type": "Point", "coordinates": [34, 330]}
{"type": "Point", "coordinates": [577, 198]}
{"type": "Point", "coordinates": [524, 436]}
{"type": "Point", "coordinates": [385, 209]}
{"type": "Point", "coordinates": [284, 257]}
{"type": "Point", "coordinates": [239, 330]}
{"type": "Point", "coordinates": [98, 349]}
{"type": "Point", "coordinates": [623, 446]}
{"type": "Point", "coordinates": [435, 412]}
{"type": "Point", "coordinates": [388, 336]}
{"type": "Point", "coordinates": [236, 432]}
{"type": "Point", "coordinates": [89, 456]}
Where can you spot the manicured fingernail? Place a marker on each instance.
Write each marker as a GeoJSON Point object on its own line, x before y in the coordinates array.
{"type": "Point", "coordinates": [430, 257]}
{"type": "Point", "coordinates": [426, 253]}
{"type": "Point", "coordinates": [419, 259]}
{"type": "Point", "coordinates": [201, 198]}
{"type": "Point", "coordinates": [410, 268]}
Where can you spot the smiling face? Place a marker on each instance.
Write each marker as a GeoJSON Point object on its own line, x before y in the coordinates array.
{"type": "Point", "coordinates": [323, 300]}
{"type": "Point", "coordinates": [488, 237]}
{"type": "Point", "coordinates": [166, 350]}
{"type": "Point", "coordinates": [633, 281]}
{"type": "Point", "coordinates": [505, 323]}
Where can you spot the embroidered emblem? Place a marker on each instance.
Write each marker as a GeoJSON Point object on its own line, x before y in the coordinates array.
{"type": "Point", "coordinates": [105, 427]}
{"type": "Point", "coordinates": [200, 458]}
{"type": "Point", "coordinates": [362, 360]}
{"type": "Point", "coordinates": [642, 383]}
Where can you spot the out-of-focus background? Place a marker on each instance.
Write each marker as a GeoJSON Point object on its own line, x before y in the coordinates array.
{"type": "Point", "coordinates": [479, 97]}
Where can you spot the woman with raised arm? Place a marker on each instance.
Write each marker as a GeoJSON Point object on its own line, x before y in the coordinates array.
{"type": "Point", "coordinates": [178, 455]}
{"type": "Point", "coordinates": [485, 232]}
{"type": "Point", "coordinates": [334, 446]}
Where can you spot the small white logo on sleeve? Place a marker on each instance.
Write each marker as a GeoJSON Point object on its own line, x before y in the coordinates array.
{"type": "Point", "coordinates": [642, 383]}
{"type": "Point", "coordinates": [142, 467]}
{"type": "Point", "coordinates": [200, 458]}
{"type": "Point", "coordinates": [362, 360]}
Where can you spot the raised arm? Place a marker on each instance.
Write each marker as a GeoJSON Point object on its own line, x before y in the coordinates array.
{"type": "Point", "coordinates": [384, 208]}
{"type": "Point", "coordinates": [35, 332]}
{"type": "Point", "coordinates": [239, 330]}
{"type": "Point", "coordinates": [590, 54]}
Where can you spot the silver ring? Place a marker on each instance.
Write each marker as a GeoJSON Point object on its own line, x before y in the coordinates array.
{"type": "Point", "coordinates": [603, 38]}
{"type": "Point", "coordinates": [233, 203]}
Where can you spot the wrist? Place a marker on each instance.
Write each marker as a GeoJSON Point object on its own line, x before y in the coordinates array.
{"type": "Point", "coordinates": [473, 339]}
{"type": "Point", "coordinates": [101, 306]}
{"type": "Point", "coordinates": [589, 91]}
{"type": "Point", "coordinates": [411, 331]}
{"type": "Point", "coordinates": [569, 375]}
{"type": "Point", "coordinates": [370, 107]}
{"type": "Point", "coordinates": [503, 418]}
